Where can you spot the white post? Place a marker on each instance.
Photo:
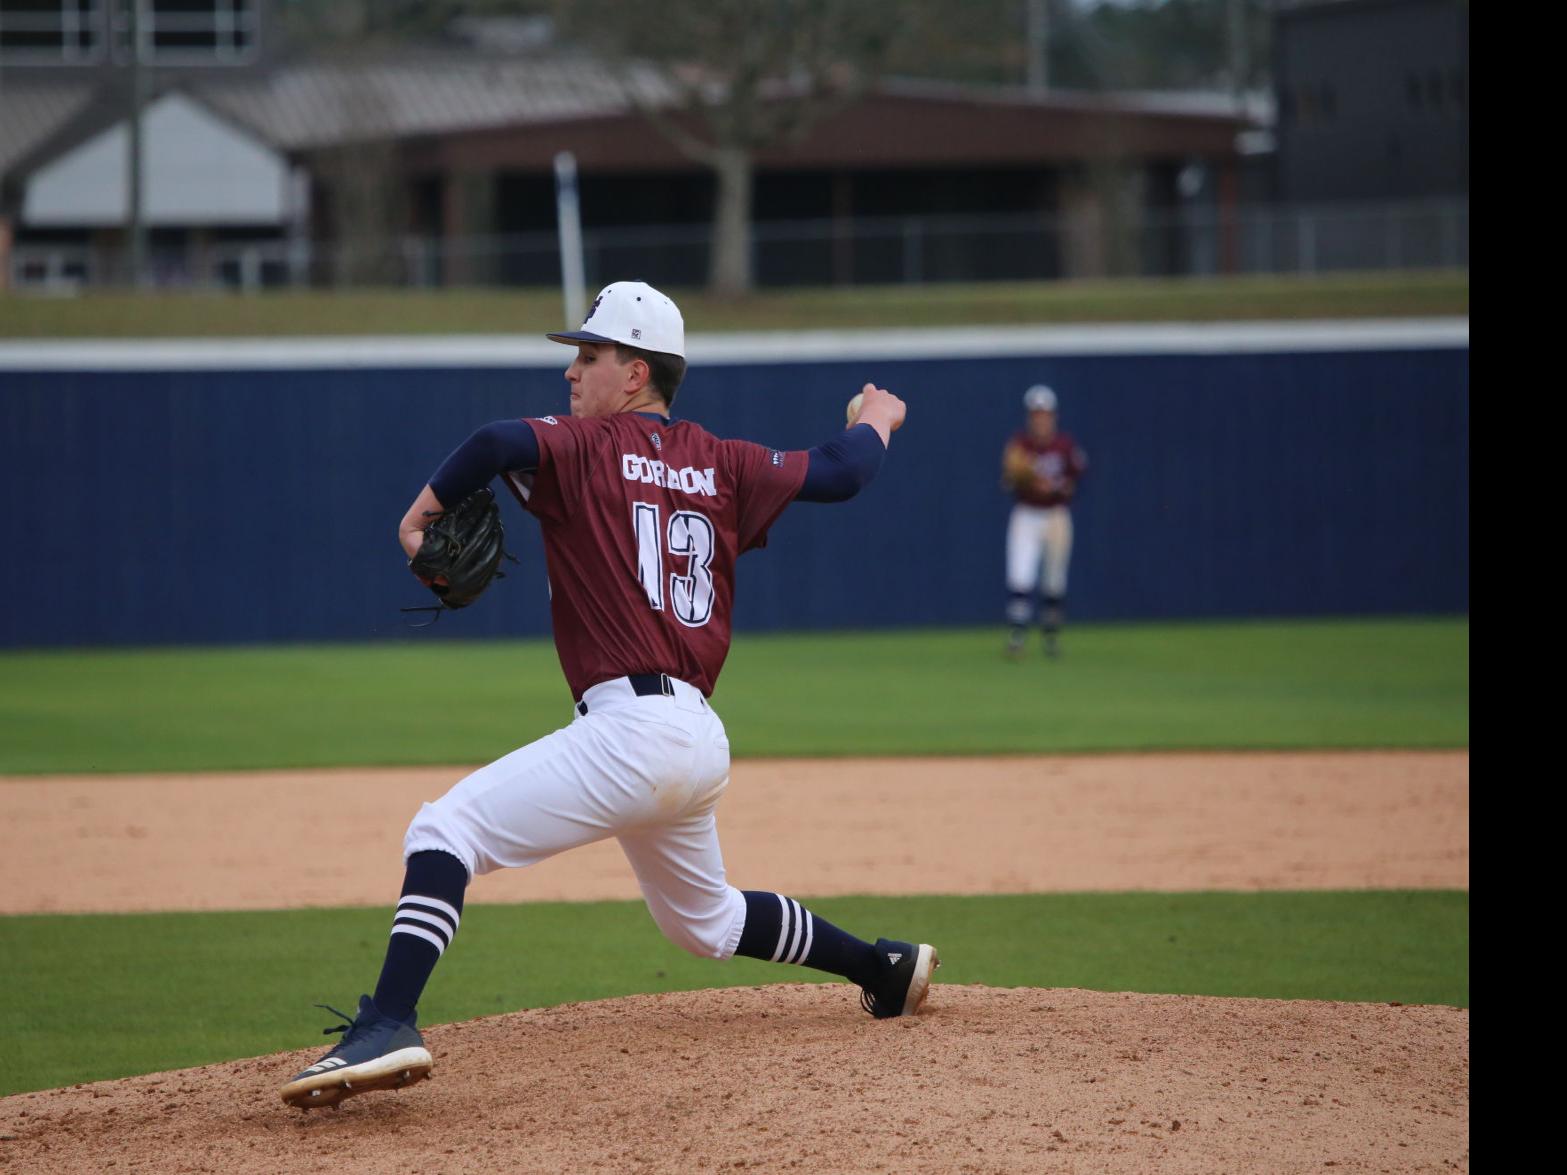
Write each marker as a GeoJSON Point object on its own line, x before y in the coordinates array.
{"type": "Point", "coordinates": [568, 216]}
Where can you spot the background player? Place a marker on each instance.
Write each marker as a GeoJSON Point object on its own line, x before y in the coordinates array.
{"type": "Point", "coordinates": [1042, 467]}
{"type": "Point", "coordinates": [643, 517]}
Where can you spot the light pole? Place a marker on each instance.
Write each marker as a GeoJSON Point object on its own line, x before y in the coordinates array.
{"type": "Point", "coordinates": [137, 228]}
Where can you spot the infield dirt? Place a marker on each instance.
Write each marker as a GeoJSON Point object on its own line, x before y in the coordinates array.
{"type": "Point", "coordinates": [808, 827]}
{"type": "Point", "coordinates": [794, 1077]}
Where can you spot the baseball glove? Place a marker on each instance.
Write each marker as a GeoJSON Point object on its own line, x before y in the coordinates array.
{"type": "Point", "coordinates": [462, 550]}
{"type": "Point", "coordinates": [1017, 467]}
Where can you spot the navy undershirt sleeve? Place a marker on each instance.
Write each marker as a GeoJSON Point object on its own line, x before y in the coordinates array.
{"type": "Point", "coordinates": [843, 466]}
{"type": "Point", "coordinates": [489, 452]}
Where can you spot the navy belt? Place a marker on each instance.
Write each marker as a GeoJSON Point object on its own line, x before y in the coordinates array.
{"type": "Point", "coordinates": [643, 685]}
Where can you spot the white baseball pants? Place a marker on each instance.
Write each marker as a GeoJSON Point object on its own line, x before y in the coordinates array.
{"type": "Point", "coordinates": [648, 771]}
{"type": "Point", "coordinates": [1035, 534]}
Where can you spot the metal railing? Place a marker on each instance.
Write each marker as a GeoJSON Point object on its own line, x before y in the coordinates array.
{"type": "Point", "coordinates": [865, 251]}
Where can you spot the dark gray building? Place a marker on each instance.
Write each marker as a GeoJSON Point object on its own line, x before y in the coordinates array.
{"type": "Point", "coordinates": [1373, 100]}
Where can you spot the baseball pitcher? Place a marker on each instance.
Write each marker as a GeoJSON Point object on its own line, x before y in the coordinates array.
{"type": "Point", "coordinates": [1042, 467]}
{"type": "Point", "coordinates": [643, 517]}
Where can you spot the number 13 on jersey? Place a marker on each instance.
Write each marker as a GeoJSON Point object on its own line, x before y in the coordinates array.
{"type": "Point", "coordinates": [690, 536]}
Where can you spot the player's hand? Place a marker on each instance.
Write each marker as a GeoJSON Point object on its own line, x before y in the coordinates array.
{"type": "Point", "coordinates": [880, 409]}
{"type": "Point", "coordinates": [412, 539]}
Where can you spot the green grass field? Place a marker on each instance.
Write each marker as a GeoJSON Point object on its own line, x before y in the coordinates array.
{"type": "Point", "coordinates": [92, 997]}
{"type": "Point", "coordinates": [1339, 683]}
{"type": "Point", "coordinates": [466, 311]}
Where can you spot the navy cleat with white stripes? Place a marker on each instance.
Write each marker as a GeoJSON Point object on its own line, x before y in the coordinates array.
{"type": "Point", "coordinates": [376, 1052]}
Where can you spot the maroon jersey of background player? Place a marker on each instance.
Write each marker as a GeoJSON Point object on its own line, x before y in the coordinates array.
{"type": "Point", "coordinates": [679, 509]}
{"type": "Point", "coordinates": [1058, 464]}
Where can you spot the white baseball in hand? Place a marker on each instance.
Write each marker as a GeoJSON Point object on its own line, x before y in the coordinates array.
{"type": "Point", "coordinates": [857, 405]}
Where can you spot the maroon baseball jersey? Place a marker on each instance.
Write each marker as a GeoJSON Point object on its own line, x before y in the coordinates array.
{"type": "Point", "coordinates": [1059, 464]}
{"type": "Point", "coordinates": [643, 520]}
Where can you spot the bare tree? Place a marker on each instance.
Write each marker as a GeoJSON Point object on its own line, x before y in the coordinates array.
{"type": "Point", "coordinates": [747, 75]}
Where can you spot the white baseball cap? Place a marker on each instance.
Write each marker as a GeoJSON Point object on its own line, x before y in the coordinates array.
{"type": "Point", "coordinates": [1039, 398]}
{"type": "Point", "coordinates": [633, 313]}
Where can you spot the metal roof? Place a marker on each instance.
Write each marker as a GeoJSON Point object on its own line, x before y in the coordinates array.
{"type": "Point", "coordinates": [1256, 106]}
{"type": "Point", "coordinates": [316, 103]}
{"type": "Point", "coordinates": [31, 110]}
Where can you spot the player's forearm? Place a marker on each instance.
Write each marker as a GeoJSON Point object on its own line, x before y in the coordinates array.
{"type": "Point", "coordinates": [843, 466]}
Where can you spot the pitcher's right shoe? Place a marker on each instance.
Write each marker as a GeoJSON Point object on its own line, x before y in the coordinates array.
{"type": "Point", "coordinates": [376, 1052]}
{"type": "Point", "coordinates": [904, 979]}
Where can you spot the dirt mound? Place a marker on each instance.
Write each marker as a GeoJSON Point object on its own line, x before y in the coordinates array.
{"type": "Point", "coordinates": [796, 1077]}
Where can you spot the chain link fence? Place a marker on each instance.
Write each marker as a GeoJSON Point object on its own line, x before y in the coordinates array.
{"type": "Point", "coordinates": [868, 251]}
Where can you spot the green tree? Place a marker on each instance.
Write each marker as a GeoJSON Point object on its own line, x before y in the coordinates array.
{"type": "Point", "coordinates": [744, 75]}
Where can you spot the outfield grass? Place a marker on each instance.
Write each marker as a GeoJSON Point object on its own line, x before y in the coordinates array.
{"type": "Point", "coordinates": [466, 311]}
{"type": "Point", "coordinates": [1338, 683]}
{"type": "Point", "coordinates": [95, 997]}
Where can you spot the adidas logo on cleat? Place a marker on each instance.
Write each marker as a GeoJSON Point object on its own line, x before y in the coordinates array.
{"type": "Point", "coordinates": [894, 957]}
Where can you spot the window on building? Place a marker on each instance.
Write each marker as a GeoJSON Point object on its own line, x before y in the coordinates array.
{"type": "Point", "coordinates": [69, 32]}
{"type": "Point", "coordinates": [194, 32]}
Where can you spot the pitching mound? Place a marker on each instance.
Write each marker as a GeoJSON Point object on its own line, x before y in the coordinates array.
{"type": "Point", "coordinates": [796, 1077]}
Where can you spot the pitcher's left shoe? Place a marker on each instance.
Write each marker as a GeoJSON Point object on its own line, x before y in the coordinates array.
{"type": "Point", "coordinates": [376, 1052]}
{"type": "Point", "coordinates": [904, 980]}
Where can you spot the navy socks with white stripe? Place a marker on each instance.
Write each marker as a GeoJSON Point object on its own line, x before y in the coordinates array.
{"type": "Point", "coordinates": [780, 930]}
{"type": "Point", "coordinates": [426, 921]}
{"type": "Point", "coordinates": [777, 929]}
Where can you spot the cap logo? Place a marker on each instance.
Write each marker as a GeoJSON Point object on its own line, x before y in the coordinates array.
{"type": "Point", "coordinates": [593, 309]}
{"type": "Point", "coordinates": [636, 332]}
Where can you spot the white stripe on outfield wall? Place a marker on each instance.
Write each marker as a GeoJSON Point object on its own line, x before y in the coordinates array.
{"type": "Point", "coordinates": [504, 351]}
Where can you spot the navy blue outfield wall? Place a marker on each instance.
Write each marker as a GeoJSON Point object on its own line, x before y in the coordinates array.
{"type": "Point", "coordinates": [197, 506]}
